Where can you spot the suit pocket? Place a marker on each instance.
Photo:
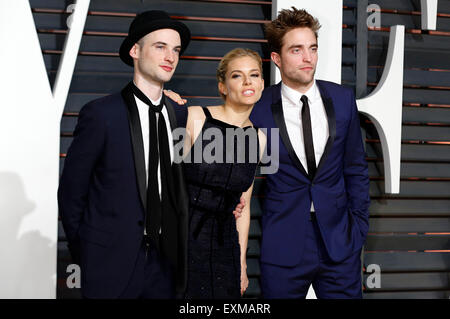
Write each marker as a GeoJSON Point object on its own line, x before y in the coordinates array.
{"type": "Point", "coordinates": [94, 235]}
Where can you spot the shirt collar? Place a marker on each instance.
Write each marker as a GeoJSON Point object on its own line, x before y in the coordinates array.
{"type": "Point", "coordinates": [153, 102]}
{"type": "Point", "coordinates": [293, 96]}
{"type": "Point", "coordinates": [157, 101]}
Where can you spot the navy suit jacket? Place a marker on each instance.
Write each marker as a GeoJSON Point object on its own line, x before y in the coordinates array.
{"type": "Point", "coordinates": [339, 190]}
{"type": "Point", "coordinates": [102, 196]}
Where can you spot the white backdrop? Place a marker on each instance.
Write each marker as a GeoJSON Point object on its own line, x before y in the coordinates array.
{"type": "Point", "coordinates": [30, 115]}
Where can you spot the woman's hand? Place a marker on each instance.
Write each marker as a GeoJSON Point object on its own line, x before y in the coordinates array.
{"type": "Point", "coordinates": [175, 97]}
{"type": "Point", "coordinates": [244, 280]}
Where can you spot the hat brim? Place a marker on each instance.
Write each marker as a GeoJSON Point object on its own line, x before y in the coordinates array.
{"type": "Point", "coordinates": [131, 39]}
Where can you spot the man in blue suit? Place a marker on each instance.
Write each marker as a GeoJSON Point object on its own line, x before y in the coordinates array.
{"type": "Point", "coordinates": [122, 197]}
{"type": "Point", "coordinates": [315, 210]}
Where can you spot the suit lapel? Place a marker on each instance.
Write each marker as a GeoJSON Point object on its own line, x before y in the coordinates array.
{"type": "Point", "coordinates": [331, 116]}
{"type": "Point", "coordinates": [136, 142]}
{"type": "Point", "coordinates": [277, 112]}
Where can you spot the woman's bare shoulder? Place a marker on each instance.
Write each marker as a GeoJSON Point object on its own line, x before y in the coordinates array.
{"type": "Point", "coordinates": [196, 112]}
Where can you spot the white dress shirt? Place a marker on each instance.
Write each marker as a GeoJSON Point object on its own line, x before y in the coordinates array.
{"type": "Point", "coordinates": [292, 107]}
{"type": "Point", "coordinates": [145, 129]}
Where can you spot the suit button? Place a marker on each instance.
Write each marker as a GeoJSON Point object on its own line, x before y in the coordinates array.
{"type": "Point", "coordinates": [140, 223]}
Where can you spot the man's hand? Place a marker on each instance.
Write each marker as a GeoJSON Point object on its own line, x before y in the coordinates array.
{"type": "Point", "coordinates": [237, 212]}
{"type": "Point", "coordinates": [175, 97]}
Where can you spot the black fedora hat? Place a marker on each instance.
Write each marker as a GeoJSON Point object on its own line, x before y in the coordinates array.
{"type": "Point", "coordinates": [147, 22]}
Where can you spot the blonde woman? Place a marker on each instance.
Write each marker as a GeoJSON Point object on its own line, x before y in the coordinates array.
{"type": "Point", "coordinates": [217, 266]}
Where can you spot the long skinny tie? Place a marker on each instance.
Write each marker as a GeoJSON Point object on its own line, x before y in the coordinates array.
{"type": "Point", "coordinates": [307, 138]}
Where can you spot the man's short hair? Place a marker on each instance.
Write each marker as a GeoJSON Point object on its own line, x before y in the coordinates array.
{"type": "Point", "coordinates": [285, 22]}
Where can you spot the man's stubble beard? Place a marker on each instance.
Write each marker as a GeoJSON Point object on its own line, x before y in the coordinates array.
{"type": "Point", "coordinates": [302, 80]}
{"type": "Point", "coordinates": [153, 76]}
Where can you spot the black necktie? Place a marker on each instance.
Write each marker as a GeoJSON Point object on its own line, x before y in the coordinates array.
{"type": "Point", "coordinates": [307, 138]}
{"type": "Point", "coordinates": [159, 154]}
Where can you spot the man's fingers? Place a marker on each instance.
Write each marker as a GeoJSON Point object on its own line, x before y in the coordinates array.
{"type": "Point", "coordinates": [175, 97]}
{"type": "Point", "coordinates": [241, 205]}
{"type": "Point", "coordinates": [236, 214]}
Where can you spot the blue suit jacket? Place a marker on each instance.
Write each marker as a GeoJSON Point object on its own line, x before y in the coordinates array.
{"type": "Point", "coordinates": [102, 196]}
{"type": "Point", "coordinates": [339, 190]}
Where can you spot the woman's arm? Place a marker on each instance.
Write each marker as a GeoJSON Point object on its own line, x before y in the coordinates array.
{"type": "Point", "coordinates": [243, 222]}
{"type": "Point", "coordinates": [262, 143]}
{"type": "Point", "coordinates": [243, 226]}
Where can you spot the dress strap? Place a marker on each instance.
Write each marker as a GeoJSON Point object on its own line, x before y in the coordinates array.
{"type": "Point", "coordinates": [207, 113]}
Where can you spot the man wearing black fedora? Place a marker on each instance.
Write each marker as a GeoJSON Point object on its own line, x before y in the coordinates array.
{"type": "Point", "coordinates": [122, 198]}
